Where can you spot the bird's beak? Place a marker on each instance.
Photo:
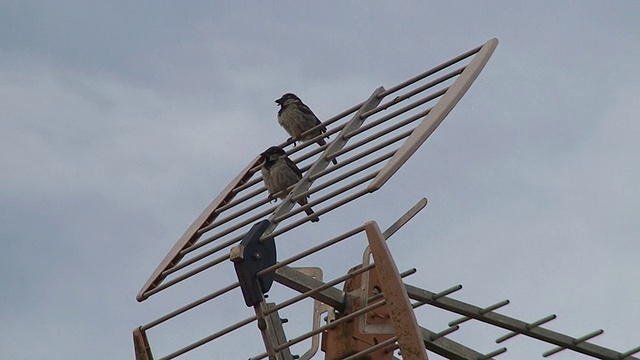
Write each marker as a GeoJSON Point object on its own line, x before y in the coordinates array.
{"type": "Point", "coordinates": [279, 101]}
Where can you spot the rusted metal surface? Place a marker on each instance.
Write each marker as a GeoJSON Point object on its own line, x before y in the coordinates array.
{"type": "Point", "coordinates": [141, 345]}
{"type": "Point", "coordinates": [347, 339]}
{"type": "Point", "coordinates": [401, 312]}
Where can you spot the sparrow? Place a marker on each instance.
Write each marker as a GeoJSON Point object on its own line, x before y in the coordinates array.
{"type": "Point", "coordinates": [296, 117]}
{"type": "Point", "coordinates": [279, 173]}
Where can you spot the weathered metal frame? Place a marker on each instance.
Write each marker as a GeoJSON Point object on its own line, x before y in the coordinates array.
{"type": "Point", "coordinates": [208, 219]}
{"type": "Point", "coordinates": [239, 191]}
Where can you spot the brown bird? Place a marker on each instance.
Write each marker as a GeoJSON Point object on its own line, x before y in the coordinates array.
{"type": "Point", "coordinates": [296, 117]}
{"type": "Point", "coordinates": [279, 173]}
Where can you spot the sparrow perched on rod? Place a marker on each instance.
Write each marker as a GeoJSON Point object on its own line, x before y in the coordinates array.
{"type": "Point", "coordinates": [279, 173]}
{"type": "Point", "coordinates": [296, 117]}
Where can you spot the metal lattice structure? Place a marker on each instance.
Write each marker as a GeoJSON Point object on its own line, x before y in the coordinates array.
{"type": "Point", "coordinates": [372, 316]}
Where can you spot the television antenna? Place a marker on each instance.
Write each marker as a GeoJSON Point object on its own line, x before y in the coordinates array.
{"type": "Point", "coordinates": [372, 316]}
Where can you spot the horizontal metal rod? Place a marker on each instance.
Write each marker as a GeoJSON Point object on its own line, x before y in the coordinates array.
{"type": "Point", "coordinates": [327, 197]}
{"type": "Point", "coordinates": [530, 326]}
{"type": "Point", "coordinates": [316, 149]}
{"type": "Point", "coordinates": [185, 263]}
{"type": "Point", "coordinates": [625, 354]}
{"type": "Point", "coordinates": [495, 306]}
{"type": "Point", "coordinates": [416, 91]}
{"type": "Point", "coordinates": [327, 285]}
{"type": "Point", "coordinates": [235, 202]}
{"type": "Point", "coordinates": [300, 282]}
{"type": "Point", "coordinates": [493, 353]}
{"type": "Point", "coordinates": [430, 72]}
{"type": "Point", "coordinates": [344, 161]}
{"type": "Point", "coordinates": [351, 172]}
{"type": "Point", "coordinates": [209, 338]}
{"type": "Point", "coordinates": [446, 292]}
{"type": "Point", "coordinates": [309, 334]}
{"type": "Point", "coordinates": [511, 324]}
{"type": "Point", "coordinates": [190, 306]}
{"type": "Point", "coordinates": [588, 336]}
{"type": "Point", "coordinates": [408, 272]}
{"type": "Point", "coordinates": [312, 250]}
{"type": "Point", "coordinates": [444, 332]}
{"type": "Point", "coordinates": [417, 304]}
{"type": "Point", "coordinates": [235, 215]}
{"type": "Point", "coordinates": [387, 343]}
{"type": "Point", "coordinates": [346, 318]}
{"type": "Point", "coordinates": [376, 136]}
{"type": "Point", "coordinates": [215, 237]}
{"type": "Point", "coordinates": [483, 311]}
{"type": "Point", "coordinates": [227, 231]}
{"type": "Point", "coordinates": [544, 320]}
{"type": "Point", "coordinates": [186, 275]}
{"type": "Point", "coordinates": [388, 117]}
{"type": "Point", "coordinates": [249, 183]}
{"type": "Point", "coordinates": [339, 178]}
{"type": "Point", "coordinates": [221, 245]}
{"type": "Point", "coordinates": [443, 78]}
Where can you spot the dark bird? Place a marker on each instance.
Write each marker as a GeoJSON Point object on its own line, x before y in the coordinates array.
{"type": "Point", "coordinates": [279, 173]}
{"type": "Point", "coordinates": [296, 117]}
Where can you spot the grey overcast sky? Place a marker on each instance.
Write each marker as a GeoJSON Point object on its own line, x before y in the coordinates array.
{"type": "Point", "coordinates": [120, 121]}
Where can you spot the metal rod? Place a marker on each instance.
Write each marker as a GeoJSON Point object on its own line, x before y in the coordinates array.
{"type": "Point", "coordinates": [327, 285]}
{"type": "Point", "coordinates": [418, 90]}
{"type": "Point", "coordinates": [249, 183]}
{"type": "Point", "coordinates": [373, 137]}
{"type": "Point", "coordinates": [346, 318]}
{"type": "Point", "coordinates": [190, 306]}
{"type": "Point", "coordinates": [529, 326]}
{"type": "Point", "coordinates": [324, 198]}
{"type": "Point", "coordinates": [336, 322]}
{"type": "Point", "coordinates": [186, 263]}
{"type": "Point", "coordinates": [186, 275]}
{"type": "Point", "coordinates": [381, 345]}
{"type": "Point", "coordinates": [227, 231]}
{"type": "Point", "coordinates": [629, 353]}
{"type": "Point", "coordinates": [405, 218]}
{"type": "Point", "coordinates": [492, 354]}
{"type": "Point", "coordinates": [574, 342]}
{"type": "Point", "coordinates": [417, 304]}
{"type": "Point", "coordinates": [544, 320]}
{"type": "Point", "coordinates": [338, 179]}
{"type": "Point", "coordinates": [482, 311]}
{"type": "Point", "coordinates": [316, 149]}
{"type": "Point", "coordinates": [209, 338]}
{"type": "Point", "coordinates": [386, 118]}
{"type": "Point", "coordinates": [446, 292]}
{"type": "Point", "coordinates": [511, 324]}
{"type": "Point", "coordinates": [190, 235]}
{"type": "Point", "coordinates": [588, 336]}
{"type": "Point", "coordinates": [444, 332]}
{"type": "Point", "coordinates": [350, 173]}
{"type": "Point", "coordinates": [317, 213]}
{"type": "Point", "coordinates": [234, 203]}
{"type": "Point", "coordinates": [235, 214]}
{"type": "Point", "coordinates": [431, 71]}
{"type": "Point", "coordinates": [439, 112]}
{"type": "Point", "coordinates": [311, 250]}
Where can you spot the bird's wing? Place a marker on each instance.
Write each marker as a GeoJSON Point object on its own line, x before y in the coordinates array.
{"type": "Point", "coordinates": [293, 166]}
{"type": "Point", "coordinates": [307, 112]}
